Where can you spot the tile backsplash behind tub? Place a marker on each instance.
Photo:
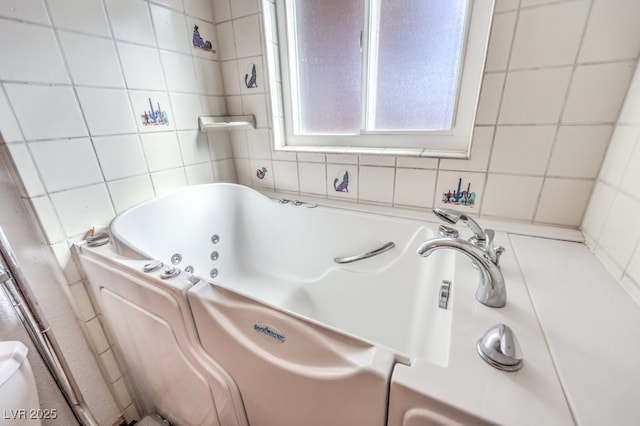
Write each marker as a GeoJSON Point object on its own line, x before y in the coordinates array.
{"type": "Point", "coordinates": [555, 79]}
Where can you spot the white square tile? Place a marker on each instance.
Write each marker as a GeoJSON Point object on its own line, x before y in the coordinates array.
{"type": "Point", "coordinates": [243, 171]}
{"type": "Point", "coordinates": [225, 171]}
{"type": "Point", "coordinates": [169, 180]}
{"type": "Point", "coordinates": [107, 111]}
{"type": "Point", "coordinates": [459, 190]}
{"type": "Point", "coordinates": [9, 129]}
{"type": "Point", "coordinates": [203, 9]}
{"type": "Point", "coordinates": [18, 38]}
{"type": "Point", "coordinates": [128, 192]}
{"type": "Point", "coordinates": [152, 111]}
{"type": "Point", "coordinates": [598, 210]}
{"type": "Point", "coordinates": [534, 97]}
{"type": "Point", "coordinates": [85, 16]}
{"type": "Point", "coordinates": [162, 150]}
{"type": "Point", "coordinates": [630, 112]}
{"type": "Point", "coordinates": [241, 8]}
{"type": "Point", "coordinates": [511, 197]}
{"type": "Point", "coordinates": [259, 143]}
{"type": "Point", "coordinates": [285, 175]}
{"type": "Point", "coordinates": [410, 162]}
{"type": "Point", "coordinates": [523, 150]}
{"type": "Point", "coordinates": [204, 43]}
{"type": "Point", "coordinates": [141, 67]}
{"type": "Point", "coordinates": [504, 5]}
{"type": "Point", "coordinates": [247, 36]}
{"type": "Point", "coordinates": [313, 178]}
{"type": "Point", "coordinates": [220, 147]}
{"type": "Point", "coordinates": [490, 97]}
{"type": "Point", "coordinates": [480, 152]}
{"type": "Point", "coordinates": [234, 105]}
{"type": "Point", "coordinates": [633, 268]}
{"type": "Point", "coordinates": [62, 254]}
{"type": "Point", "coordinates": [563, 201]}
{"type": "Point", "coordinates": [65, 164]}
{"type": "Point", "coordinates": [579, 151]}
{"type": "Point", "coordinates": [171, 29]}
{"type": "Point", "coordinates": [25, 10]}
{"type": "Point", "coordinates": [186, 110]}
{"type": "Point", "coordinates": [342, 181]}
{"type": "Point", "coordinates": [239, 144]}
{"type": "Point", "coordinates": [230, 77]}
{"type": "Point", "coordinates": [194, 147]}
{"type": "Point", "coordinates": [57, 115]}
{"type": "Point", "coordinates": [92, 61]}
{"type": "Point", "coordinates": [97, 335]}
{"type": "Point", "coordinates": [377, 160]}
{"type": "Point", "coordinates": [376, 184]}
{"type": "Point", "coordinates": [179, 71]}
{"type": "Point", "coordinates": [130, 21]}
{"type": "Point", "coordinates": [500, 42]}
{"type": "Point", "coordinates": [623, 141]}
{"type": "Point", "coordinates": [213, 105]}
{"type": "Point", "coordinates": [26, 169]}
{"type": "Point", "coordinates": [597, 92]}
{"type": "Point", "coordinates": [108, 361]}
{"type": "Point", "coordinates": [620, 233]}
{"type": "Point", "coordinates": [48, 219]}
{"type": "Point", "coordinates": [311, 157]}
{"type": "Point", "coordinates": [261, 174]}
{"type": "Point", "coordinates": [549, 35]}
{"type": "Point", "coordinates": [171, 4]}
{"type": "Point", "coordinates": [221, 10]}
{"type": "Point", "coordinates": [256, 105]}
{"type": "Point", "coordinates": [121, 393]}
{"type": "Point", "coordinates": [415, 187]}
{"type": "Point", "coordinates": [81, 209]}
{"type": "Point", "coordinates": [80, 299]}
{"type": "Point", "coordinates": [199, 173]}
{"type": "Point", "coordinates": [631, 179]}
{"type": "Point", "coordinates": [209, 76]}
{"type": "Point", "coordinates": [612, 31]}
{"type": "Point", "coordinates": [120, 156]}
{"type": "Point", "coordinates": [226, 41]}
{"type": "Point", "coordinates": [251, 75]}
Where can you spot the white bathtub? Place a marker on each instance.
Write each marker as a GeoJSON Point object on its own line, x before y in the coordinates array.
{"type": "Point", "coordinates": [268, 329]}
{"type": "Point", "coordinates": [283, 255]}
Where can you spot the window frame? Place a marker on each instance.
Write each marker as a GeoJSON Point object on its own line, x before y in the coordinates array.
{"type": "Point", "coordinates": [453, 143]}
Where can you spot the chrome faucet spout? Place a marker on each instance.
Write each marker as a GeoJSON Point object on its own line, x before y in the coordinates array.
{"type": "Point", "coordinates": [492, 290]}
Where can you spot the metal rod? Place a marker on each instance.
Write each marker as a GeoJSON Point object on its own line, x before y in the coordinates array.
{"type": "Point", "coordinates": [362, 256]}
{"type": "Point", "coordinates": [19, 292]}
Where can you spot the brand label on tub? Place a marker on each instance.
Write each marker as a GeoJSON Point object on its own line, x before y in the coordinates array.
{"type": "Point", "coordinates": [270, 331]}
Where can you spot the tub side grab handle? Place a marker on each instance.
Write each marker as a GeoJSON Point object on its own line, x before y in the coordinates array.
{"type": "Point", "coordinates": [362, 256]}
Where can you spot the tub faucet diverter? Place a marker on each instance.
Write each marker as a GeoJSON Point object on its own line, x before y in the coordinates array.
{"type": "Point", "coordinates": [491, 291]}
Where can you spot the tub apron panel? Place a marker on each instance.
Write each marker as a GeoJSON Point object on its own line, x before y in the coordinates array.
{"type": "Point", "coordinates": [291, 371]}
{"type": "Point", "coordinates": [152, 325]}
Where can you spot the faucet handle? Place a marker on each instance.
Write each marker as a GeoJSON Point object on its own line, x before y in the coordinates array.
{"type": "Point", "coordinates": [494, 252]}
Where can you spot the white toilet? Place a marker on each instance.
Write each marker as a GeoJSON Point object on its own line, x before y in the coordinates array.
{"type": "Point", "coordinates": [19, 403]}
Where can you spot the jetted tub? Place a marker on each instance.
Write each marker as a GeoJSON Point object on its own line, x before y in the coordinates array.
{"type": "Point", "coordinates": [260, 323]}
{"type": "Point", "coordinates": [283, 255]}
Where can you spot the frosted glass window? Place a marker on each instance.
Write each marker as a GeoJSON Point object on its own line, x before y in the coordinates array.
{"type": "Point", "coordinates": [367, 75]}
{"type": "Point", "coordinates": [329, 65]}
{"type": "Point", "coordinates": [418, 55]}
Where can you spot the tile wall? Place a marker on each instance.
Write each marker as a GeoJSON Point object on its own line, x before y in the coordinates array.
{"type": "Point", "coordinates": [610, 225]}
{"type": "Point", "coordinates": [555, 78]}
{"type": "Point", "coordinates": [99, 101]}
